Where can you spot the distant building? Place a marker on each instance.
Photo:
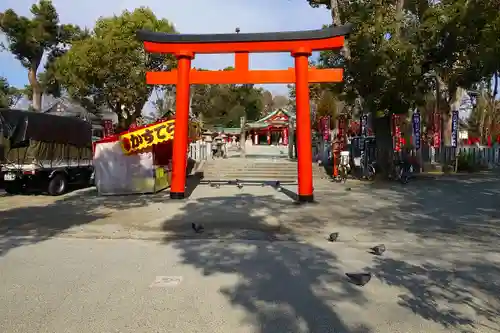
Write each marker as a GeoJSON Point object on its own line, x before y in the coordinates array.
{"type": "Point", "coordinates": [66, 107]}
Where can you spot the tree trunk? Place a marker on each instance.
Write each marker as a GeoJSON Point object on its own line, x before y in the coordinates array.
{"type": "Point", "coordinates": [383, 137]}
{"type": "Point", "coordinates": [291, 140]}
{"type": "Point", "coordinates": [382, 126]}
{"type": "Point", "coordinates": [482, 121]}
{"type": "Point", "coordinates": [399, 16]}
{"type": "Point", "coordinates": [453, 104]}
{"type": "Point", "coordinates": [37, 89]}
{"type": "Point", "coordinates": [337, 21]}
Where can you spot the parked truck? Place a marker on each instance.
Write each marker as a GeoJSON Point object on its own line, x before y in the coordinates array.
{"type": "Point", "coordinates": [43, 152]}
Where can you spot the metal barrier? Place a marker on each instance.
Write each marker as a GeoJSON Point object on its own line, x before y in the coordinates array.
{"type": "Point", "coordinates": [485, 156]}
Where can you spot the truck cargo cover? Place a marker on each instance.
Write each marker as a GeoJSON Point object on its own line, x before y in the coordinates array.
{"type": "Point", "coordinates": [19, 126]}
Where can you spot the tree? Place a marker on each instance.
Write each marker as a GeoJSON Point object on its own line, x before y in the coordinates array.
{"type": "Point", "coordinates": [280, 102]}
{"type": "Point", "coordinates": [327, 105]}
{"type": "Point", "coordinates": [29, 39]}
{"type": "Point", "coordinates": [400, 51]}
{"type": "Point", "coordinates": [164, 103]}
{"type": "Point", "coordinates": [267, 102]}
{"type": "Point", "coordinates": [382, 67]}
{"type": "Point", "coordinates": [225, 104]}
{"type": "Point", "coordinates": [271, 103]}
{"type": "Point", "coordinates": [108, 67]}
{"type": "Point", "coordinates": [9, 95]}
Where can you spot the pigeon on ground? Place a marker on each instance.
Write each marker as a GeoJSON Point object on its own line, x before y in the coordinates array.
{"type": "Point", "coordinates": [239, 185]}
{"type": "Point", "coordinates": [348, 189]}
{"type": "Point", "coordinates": [359, 279]}
{"type": "Point", "coordinates": [197, 228]}
{"type": "Point", "coordinates": [378, 250]}
{"type": "Point", "coordinates": [217, 185]}
{"type": "Point", "coordinates": [277, 184]}
{"type": "Point", "coordinates": [333, 237]}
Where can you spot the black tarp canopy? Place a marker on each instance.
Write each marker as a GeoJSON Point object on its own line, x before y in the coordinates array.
{"type": "Point", "coordinates": [19, 126]}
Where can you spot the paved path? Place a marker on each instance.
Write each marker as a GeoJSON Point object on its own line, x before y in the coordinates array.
{"type": "Point", "coordinates": [440, 273]}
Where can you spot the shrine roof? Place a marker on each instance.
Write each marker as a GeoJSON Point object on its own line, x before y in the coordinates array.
{"type": "Point", "coordinates": [274, 113]}
{"type": "Point", "coordinates": [265, 122]}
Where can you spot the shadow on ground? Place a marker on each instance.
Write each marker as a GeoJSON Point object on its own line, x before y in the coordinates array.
{"type": "Point", "coordinates": [45, 219]}
{"type": "Point", "coordinates": [449, 272]}
{"type": "Point", "coordinates": [462, 298]}
{"type": "Point", "coordinates": [448, 275]}
{"type": "Point", "coordinates": [285, 288]}
{"type": "Point", "coordinates": [449, 210]}
{"type": "Point", "coordinates": [282, 286]}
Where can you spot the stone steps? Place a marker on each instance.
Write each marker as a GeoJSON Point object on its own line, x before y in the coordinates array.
{"type": "Point", "coordinates": [255, 170]}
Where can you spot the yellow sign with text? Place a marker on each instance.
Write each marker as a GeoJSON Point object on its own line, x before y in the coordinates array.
{"type": "Point", "coordinates": [146, 137]}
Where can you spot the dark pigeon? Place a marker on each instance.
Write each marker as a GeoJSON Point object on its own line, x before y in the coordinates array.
{"type": "Point", "coordinates": [197, 228]}
{"type": "Point", "coordinates": [359, 279]}
{"type": "Point", "coordinates": [378, 250]}
{"type": "Point", "coordinates": [333, 237]}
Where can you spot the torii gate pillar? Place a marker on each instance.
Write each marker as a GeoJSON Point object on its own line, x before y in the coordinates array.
{"type": "Point", "coordinates": [303, 126]}
{"type": "Point", "coordinates": [180, 146]}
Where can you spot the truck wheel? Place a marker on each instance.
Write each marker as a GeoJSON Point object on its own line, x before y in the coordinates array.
{"type": "Point", "coordinates": [58, 185]}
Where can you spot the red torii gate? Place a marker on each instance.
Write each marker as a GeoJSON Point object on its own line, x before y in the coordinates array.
{"type": "Point", "coordinates": [299, 43]}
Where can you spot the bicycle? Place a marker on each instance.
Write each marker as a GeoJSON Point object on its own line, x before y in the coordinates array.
{"type": "Point", "coordinates": [343, 171]}
{"type": "Point", "coordinates": [371, 171]}
{"type": "Point", "coordinates": [403, 171]}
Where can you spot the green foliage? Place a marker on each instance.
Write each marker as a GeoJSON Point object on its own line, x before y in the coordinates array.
{"type": "Point", "coordinates": [29, 39]}
{"type": "Point", "coordinates": [400, 49]}
{"type": "Point", "coordinates": [9, 95]}
{"type": "Point", "coordinates": [108, 67]}
{"type": "Point", "coordinates": [224, 105]}
{"type": "Point", "coordinates": [164, 104]}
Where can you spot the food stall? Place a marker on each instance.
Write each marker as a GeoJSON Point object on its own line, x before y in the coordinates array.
{"type": "Point", "coordinates": [135, 161]}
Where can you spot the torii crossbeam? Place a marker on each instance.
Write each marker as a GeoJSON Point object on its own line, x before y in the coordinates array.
{"type": "Point", "coordinates": [300, 44]}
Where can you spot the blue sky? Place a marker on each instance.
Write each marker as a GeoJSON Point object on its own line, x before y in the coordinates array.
{"type": "Point", "coordinates": [190, 16]}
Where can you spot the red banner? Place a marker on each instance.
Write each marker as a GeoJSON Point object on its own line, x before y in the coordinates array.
{"type": "Point", "coordinates": [326, 128]}
{"type": "Point", "coordinates": [342, 122]}
{"type": "Point", "coordinates": [285, 136]}
{"type": "Point", "coordinates": [396, 133]}
{"type": "Point", "coordinates": [108, 127]}
{"type": "Point", "coordinates": [341, 125]}
{"type": "Point", "coordinates": [437, 130]}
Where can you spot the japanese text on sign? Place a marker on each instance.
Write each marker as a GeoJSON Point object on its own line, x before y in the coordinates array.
{"type": "Point", "coordinates": [416, 129]}
{"type": "Point", "coordinates": [147, 137]}
{"type": "Point", "coordinates": [454, 129]}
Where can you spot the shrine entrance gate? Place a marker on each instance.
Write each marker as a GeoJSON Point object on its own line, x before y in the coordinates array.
{"type": "Point", "coordinates": [300, 44]}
